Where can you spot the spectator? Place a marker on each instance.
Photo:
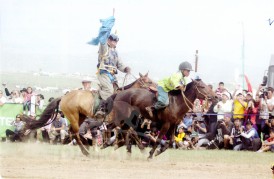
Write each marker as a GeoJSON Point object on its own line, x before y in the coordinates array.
{"type": "Point", "coordinates": [199, 132]}
{"type": "Point", "coordinates": [197, 108]}
{"type": "Point", "coordinates": [224, 106]}
{"type": "Point", "coordinates": [270, 100]}
{"type": "Point", "coordinates": [26, 98]}
{"type": "Point", "coordinates": [2, 98]}
{"type": "Point", "coordinates": [224, 128]}
{"type": "Point", "coordinates": [268, 144]}
{"type": "Point", "coordinates": [179, 138]}
{"type": "Point", "coordinates": [263, 110]}
{"type": "Point", "coordinates": [88, 130]}
{"type": "Point", "coordinates": [210, 120]}
{"type": "Point", "coordinates": [252, 108]}
{"type": "Point", "coordinates": [235, 136]}
{"type": "Point", "coordinates": [250, 138]}
{"type": "Point", "coordinates": [8, 94]}
{"type": "Point", "coordinates": [239, 106]}
{"type": "Point", "coordinates": [50, 99]}
{"type": "Point", "coordinates": [220, 90]}
{"type": "Point", "coordinates": [40, 101]}
{"type": "Point", "coordinates": [16, 98]}
{"type": "Point", "coordinates": [267, 127]}
{"type": "Point", "coordinates": [187, 121]}
{"type": "Point", "coordinates": [152, 136]}
{"type": "Point", "coordinates": [58, 128]}
{"type": "Point", "coordinates": [15, 135]}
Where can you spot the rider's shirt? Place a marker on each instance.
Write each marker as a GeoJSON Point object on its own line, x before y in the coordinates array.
{"type": "Point", "coordinates": [108, 60]}
{"type": "Point", "coordinates": [174, 81]}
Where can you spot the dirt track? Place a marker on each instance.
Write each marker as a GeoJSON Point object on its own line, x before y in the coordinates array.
{"type": "Point", "coordinates": [45, 161]}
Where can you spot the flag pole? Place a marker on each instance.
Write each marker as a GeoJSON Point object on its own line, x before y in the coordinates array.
{"type": "Point", "coordinates": [196, 61]}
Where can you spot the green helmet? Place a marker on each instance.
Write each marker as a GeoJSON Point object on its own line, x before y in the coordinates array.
{"type": "Point", "coordinates": [185, 66]}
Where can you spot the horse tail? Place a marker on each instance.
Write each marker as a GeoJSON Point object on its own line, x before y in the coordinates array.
{"type": "Point", "coordinates": [49, 113]}
{"type": "Point", "coordinates": [109, 103]}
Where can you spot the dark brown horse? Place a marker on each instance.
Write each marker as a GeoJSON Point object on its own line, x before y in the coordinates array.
{"type": "Point", "coordinates": [76, 106]}
{"type": "Point", "coordinates": [170, 117]}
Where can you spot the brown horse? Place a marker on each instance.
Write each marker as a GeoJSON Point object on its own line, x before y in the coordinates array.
{"type": "Point", "coordinates": [170, 117]}
{"type": "Point", "coordinates": [76, 106]}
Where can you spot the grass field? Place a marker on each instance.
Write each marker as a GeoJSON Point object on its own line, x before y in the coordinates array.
{"type": "Point", "coordinates": [28, 160]}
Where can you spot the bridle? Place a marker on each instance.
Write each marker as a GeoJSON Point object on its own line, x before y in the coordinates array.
{"type": "Point", "coordinates": [139, 80]}
{"type": "Point", "coordinates": [187, 101]}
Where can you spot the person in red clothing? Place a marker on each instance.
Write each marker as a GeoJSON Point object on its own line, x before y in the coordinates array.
{"type": "Point", "coordinates": [252, 109]}
{"type": "Point", "coordinates": [268, 144]}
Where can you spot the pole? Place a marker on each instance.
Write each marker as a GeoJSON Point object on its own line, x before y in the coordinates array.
{"type": "Point", "coordinates": [196, 61]}
{"type": "Point", "coordinates": [243, 54]}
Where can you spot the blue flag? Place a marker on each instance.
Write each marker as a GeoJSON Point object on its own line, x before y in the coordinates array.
{"type": "Point", "coordinates": [104, 31]}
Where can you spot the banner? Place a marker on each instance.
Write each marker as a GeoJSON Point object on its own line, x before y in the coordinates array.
{"type": "Point", "coordinates": [8, 113]}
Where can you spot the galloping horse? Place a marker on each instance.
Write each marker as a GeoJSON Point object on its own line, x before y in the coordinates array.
{"type": "Point", "coordinates": [76, 106]}
{"type": "Point", "coordinates": [170, 117]}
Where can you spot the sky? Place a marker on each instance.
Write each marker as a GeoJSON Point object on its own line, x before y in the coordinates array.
{"type": "Point", "coordinates": [232, 36]}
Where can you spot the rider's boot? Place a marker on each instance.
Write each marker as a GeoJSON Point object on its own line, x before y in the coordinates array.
{"type": "Point", "coordinates": [100, 113]}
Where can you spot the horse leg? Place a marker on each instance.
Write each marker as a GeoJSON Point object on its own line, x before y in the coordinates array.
{"type": "Point", "coordinates": [119, 143]}
{"type": "Point", "coordinates": [75, 128]}
{"type": "Point", "coordinates": [128, 141]}
{"type": "Point", "coordinates": [134, 135]}
{"type": "Point", "coordinates": [163, 131]}
{"type": "Point", "coordinates": [166, 145]}
{"type": "Point", "coordinates": [107, 136]}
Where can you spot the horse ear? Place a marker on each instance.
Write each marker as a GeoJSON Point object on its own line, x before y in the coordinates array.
{"type": "Point", "coordinates": [140, 75]}
{"type": "Point", "coordinates": [146, 74]}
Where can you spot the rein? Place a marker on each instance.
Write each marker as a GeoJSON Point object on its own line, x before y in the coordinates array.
{"type": "Point", "coordinates": [187, 100]}
{"type": "Point", "coordinates": [139, 80]}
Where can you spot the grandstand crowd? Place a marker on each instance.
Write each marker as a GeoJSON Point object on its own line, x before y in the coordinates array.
{"type": "Point", "coordinates": [240, 120]}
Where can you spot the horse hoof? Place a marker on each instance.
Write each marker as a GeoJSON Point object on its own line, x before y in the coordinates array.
{"type": "Point", "coordinates": [128, 153]}
{"type": "Point", "coordinates": [158, 152]}
{"type": "Point", "coordinates": [116, 147]}
{"type": "Point", "coordinates": [104, 146]}
{"type": "Point", "coordinates": [149, 158]}
{"type": "Point", "coordinates": [86, 153]}
{"type": "Point", "coordinates": [143, 151]}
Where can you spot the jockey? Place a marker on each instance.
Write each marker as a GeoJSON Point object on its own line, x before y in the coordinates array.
{"type": "Point", "coordinates": [176, 81]}
{"type": "Point", "coordinates": [108, 64]}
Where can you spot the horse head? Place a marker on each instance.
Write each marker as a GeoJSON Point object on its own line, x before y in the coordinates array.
{"type": "Point", "coordinates": [145, 82]}
{"type": "Point", "coordinates": [203, 91]}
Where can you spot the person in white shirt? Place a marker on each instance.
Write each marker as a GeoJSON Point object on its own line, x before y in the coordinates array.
{"type": "Point", "coordinates": [224, 106]}
{"type": "Point", "coordinates": [2, 98]}
{"type": "Point", "coordinates": [250, 138]}
{"type": "Point", "coordinates": [270, 100]}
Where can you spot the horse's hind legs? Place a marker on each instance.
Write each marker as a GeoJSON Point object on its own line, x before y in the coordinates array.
{"type": "Point", "coordinates": [82, 147]}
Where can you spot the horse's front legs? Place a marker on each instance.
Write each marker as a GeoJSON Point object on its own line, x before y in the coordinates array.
{"type": "Point", "coordinates": [163, 131]}
{"type": "Point", "coordinates": [167, 144]}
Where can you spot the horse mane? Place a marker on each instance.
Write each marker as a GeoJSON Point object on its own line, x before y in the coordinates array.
{"type": "Point", "coordinates": [127, 86]}
{"type": "Point", "coordinates": [178, 92]}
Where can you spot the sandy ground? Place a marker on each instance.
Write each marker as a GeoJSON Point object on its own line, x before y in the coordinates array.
{"type": "Point", "coordinates": [56, 161]}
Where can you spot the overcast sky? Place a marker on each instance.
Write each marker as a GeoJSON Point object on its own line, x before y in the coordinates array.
{"type": "Point", "coordinates": [155, 36]}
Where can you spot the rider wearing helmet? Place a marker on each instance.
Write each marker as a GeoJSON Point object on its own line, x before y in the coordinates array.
{"type": "Point", "coordinates": [176, 81]}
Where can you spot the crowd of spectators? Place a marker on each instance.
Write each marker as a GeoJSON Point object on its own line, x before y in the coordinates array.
{"type": "Point", "coordinates": [240, 120]}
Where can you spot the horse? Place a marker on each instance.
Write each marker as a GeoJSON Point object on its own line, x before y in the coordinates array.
{"type": "Point", "coordinates": [169, 117]}
{"type": "Point", "coordinates": [77, 105]}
